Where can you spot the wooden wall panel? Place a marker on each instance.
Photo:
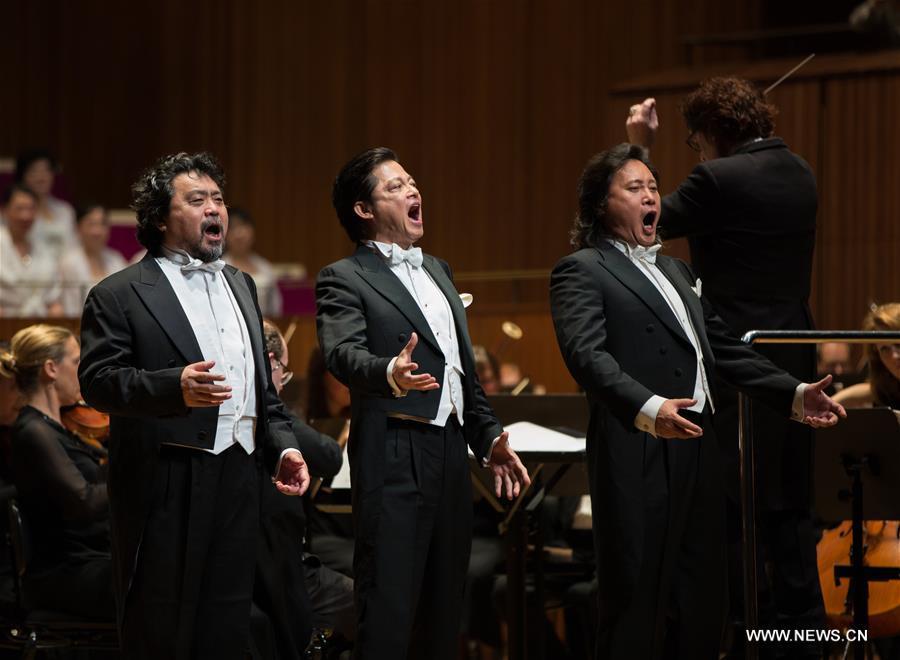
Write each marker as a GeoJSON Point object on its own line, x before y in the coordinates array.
{"type": "Point", "coordinates": [493, 104]}
{"type": "Point", "coordinates": [858, 259]}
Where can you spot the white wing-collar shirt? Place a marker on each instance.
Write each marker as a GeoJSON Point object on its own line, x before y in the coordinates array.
{"type": "Point", "coordinates": [222, 335]}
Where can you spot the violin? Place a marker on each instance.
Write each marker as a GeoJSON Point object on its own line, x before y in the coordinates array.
{"type": "Point", "coordinates": [89, 424]}
{"type": "Point", "coordinates": [881, 542]}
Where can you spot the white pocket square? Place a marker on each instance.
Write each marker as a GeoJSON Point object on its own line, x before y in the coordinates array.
{"type": "Point", "coordinates": [466, 299]}
{"type": "Point", "coordinates": [698, 288]}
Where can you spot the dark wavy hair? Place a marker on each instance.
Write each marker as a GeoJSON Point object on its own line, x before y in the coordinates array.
{"type": "Point", "coordinates": [885, 388]}
{"type": "Point", "coordinates": [273, 338]}
{"type": "Point", "coordinates": [729, 111]}
{"type": "Point", "coordinates": [355, 183]}
{"type": "Point", "coordinates": [593, 192]}
{"type": "Point", "coordinates": [152, 192]}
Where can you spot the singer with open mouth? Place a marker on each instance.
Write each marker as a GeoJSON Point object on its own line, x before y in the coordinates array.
{"type": "Point", "coordinates": [748, 211]}
{"type": "Point", "coordinates": [393, 329]}
{"type": "Point", "coordinates": [173, 350]}
{"type": "Point", "coordinates": [641, 338]}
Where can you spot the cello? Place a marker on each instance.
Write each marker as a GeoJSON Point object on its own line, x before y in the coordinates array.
{"type": "Point", "coordinates": [881, 543]}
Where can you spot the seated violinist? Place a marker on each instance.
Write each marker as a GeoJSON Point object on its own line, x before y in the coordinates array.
{"type": "Point", "coordinates": [61, 484]}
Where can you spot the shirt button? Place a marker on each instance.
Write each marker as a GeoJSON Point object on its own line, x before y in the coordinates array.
{"type": "Point", "coordinates": [222, 329]}
{"type": "Point", "coordinates": [232, 368]}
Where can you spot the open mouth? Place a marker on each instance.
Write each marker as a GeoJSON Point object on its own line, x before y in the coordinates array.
{"type": "Point", "coordinates": [415, 213]}
{"type": "Point", "coordinates": [649, 222]}
{"type": "Point", "coordinates": [212, 229]}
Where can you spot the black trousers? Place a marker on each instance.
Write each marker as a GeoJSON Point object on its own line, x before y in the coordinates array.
{"type": "Point", "coordinates": [194, 576]}
{"type": "Point", "coordinates": [678, 609]}
{"type": "Point", "coordinates": [409, 584]}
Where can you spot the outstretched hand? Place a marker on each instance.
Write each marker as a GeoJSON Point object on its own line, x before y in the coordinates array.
{"type": "Point", "coordinates": [642, 123]}
{"type": "Point", "coordinates": [509, 473]}
{"type": "Point", "coordinates": [293, 475]}
{"type": "Point", "coordinates": [670, 424]}
{"type": "Point", "coordinates": [404, 366]}
{"type": "Point", "coordinates": [819, 409]}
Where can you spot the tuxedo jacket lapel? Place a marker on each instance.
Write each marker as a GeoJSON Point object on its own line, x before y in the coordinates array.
{"type": "Point", "coordinates": [446, 286]}
{"type": "Point", "coordinates": [244, 299]}
{"type": "Point", "coordinates": [628, 274]}
{"type": "Point", "coordinates": [669, 267]}
{"type": "Point", "coordinates": [159, 297]}
{"type": "Point", "coordinates": [377, 274]}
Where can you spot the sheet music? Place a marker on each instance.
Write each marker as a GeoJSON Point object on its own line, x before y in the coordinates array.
{"type": "Point", "coordinates": [342, 478]}
{"type": "Point", "coordinates": [526, 437]}
{"type": "Point", "coordinates": [523, 437]}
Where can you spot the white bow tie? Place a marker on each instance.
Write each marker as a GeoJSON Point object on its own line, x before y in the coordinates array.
{"type": "Point", "coordinates": [207, 266]}
{"type": "Point", "coordinates": [413, 256]}
{"type": "Point", "coordinates": [647, 254]}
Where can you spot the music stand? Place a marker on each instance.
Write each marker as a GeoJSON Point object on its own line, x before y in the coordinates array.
{"type": "Point", "coordinates": [555, 411]}
{"type": "Point", "coordinates": [560, 472]}
{"type": "Point", "coordinates": [858, 477]}
{"type": "Point", "coordinates": [565, 413]}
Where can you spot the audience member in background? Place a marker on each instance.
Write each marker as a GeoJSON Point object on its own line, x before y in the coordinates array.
{"type": "Point", "coordinates": [62, 487]}
{"type": "Point", "coordinates": [54, 227]}
{"type": "Point", "coordinates": [88, 262]}
{"type": "Point", "coordinates": [280, 550]}
{"type": "Point", "coordinates": [833, 357]}
{"type": "Point", "coordinates": [514, 381]}
{"type": "Point", "coordinates": [239, 253]}
{"type": "Point", "coordinates": [29, 278]}
{"type": "Point", "coordinates": [883, 386]}
{"type": "Point", "coordinates": [488, 369]}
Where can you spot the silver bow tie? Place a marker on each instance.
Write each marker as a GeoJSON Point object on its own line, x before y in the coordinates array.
{"type": "Point", "coordinates": [413, 256]}
{"type": "Point", "coordinates": [647, 254]}
{"type": "Point", "coordinates": [207, 266]}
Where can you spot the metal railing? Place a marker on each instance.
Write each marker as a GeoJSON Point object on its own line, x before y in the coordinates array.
{"type": "Point", "coordinates": [746, 450]}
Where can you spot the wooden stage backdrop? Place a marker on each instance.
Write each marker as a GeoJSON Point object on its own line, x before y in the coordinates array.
{"type": "Point", "coordinates": [494, 106]}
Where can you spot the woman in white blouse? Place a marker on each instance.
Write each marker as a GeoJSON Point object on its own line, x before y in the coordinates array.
{"type": "Point", "coordinates": [90, 261]}
{"type": "Point", "coordinates": [54, 227]}
{"type": "Point", "coordinates": [239, 253]}
{"type": "Point", "coordinates": [29, 278]}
